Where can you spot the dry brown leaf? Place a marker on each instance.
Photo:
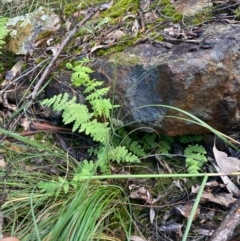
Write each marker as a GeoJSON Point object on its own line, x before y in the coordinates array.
{"type": "Point", "coordinates": [54, 49]}
{"type": "Point", "coordinates": [176, 227]}
{"type": "Point", "coordinates": [195, 189]}
{"type": "Point", "coordinates": [106, 6]}
{"type": "Point", "coordinates": [204, 232]}
{"type": "Point", "coordinates": [231, 21]}
{"type": "Point", "coordinates": [226, 164]}
{"type": "Point", "coordinates": [114, 36]}
{"type": "Point", "coordinates": [15, 70]}
{"type": "Point", "coordinates": [4, 102]}
{"type": "Point", "coordinates": [145, 4]}
{"type": "Point", "coordinates": [223, 199]}
{"type": "Point", "coordinates": [186, 209]}
{"type": "Point", "coordinates": [143, 194]}
{"type": "Point", "coordinates": [136, 238]}
{"type": "Point", "coordinates": [25, 123]}
{"type": "Point", "coordinates": [2, 163]}
{"type": "Point", "coordinates": [220, 198]}
{"type": "Point", "coordinates": [152, 214]}
{"type": "Point", "coordinates": [93, 49]}
{"type": "Point", "coordinates": [231, 187]}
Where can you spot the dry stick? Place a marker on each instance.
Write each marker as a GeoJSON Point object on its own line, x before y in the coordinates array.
{"type": "Point", "coordinates": [231, 221]}
{"type": "Point", "coordinates": [33, 95]}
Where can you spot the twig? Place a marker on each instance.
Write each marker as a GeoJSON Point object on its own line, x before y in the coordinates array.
{"type": "Point", "coordinates": [226, 228]}
{"type": "Point", "coordinates": [33, 95]}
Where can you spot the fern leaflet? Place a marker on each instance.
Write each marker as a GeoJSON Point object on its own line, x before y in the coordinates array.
{"type": "Point", "coordinates": [195, 157]}
{"type": "Point", "coordinates": [92, 86]}
{"type": "Point", "coordinates": [76, 113]}
{"type": "Point", "coordinates": [102, 107]}
{"type": "Point", "coordinates": [98, 131]}
{"type": "Point", "coordinates": [121, 154]}
{"type": "Point", "coordinates": [98, 94]}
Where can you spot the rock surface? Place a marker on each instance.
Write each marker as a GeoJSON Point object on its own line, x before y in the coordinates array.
{"type": "Point", "coordinates": [201, 77]}
{"type": "Point", "coordinates": [191, 7]}
{"type": "Point", "coordinates": [24, 30]}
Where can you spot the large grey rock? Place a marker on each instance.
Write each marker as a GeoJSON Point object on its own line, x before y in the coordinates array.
{"type": "Point", "coordinates": [25, 29]}
{"type": "Point", "coordinates": [201, 78]}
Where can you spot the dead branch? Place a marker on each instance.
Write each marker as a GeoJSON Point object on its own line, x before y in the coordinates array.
{"type": "Point", "coordinates": [226, 228]}
{"type": "Point", "coordinates": [33, 95]}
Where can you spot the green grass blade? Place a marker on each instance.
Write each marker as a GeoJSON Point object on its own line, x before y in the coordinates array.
{"type": "Point", "coordinates": [192, 214]}
{"type": "Point", "coordinates": [33, 216]}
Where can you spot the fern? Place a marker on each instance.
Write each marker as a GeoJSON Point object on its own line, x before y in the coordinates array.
{"type": "Point", "coordinates": [3, 31]}
{"type": "Point", "coordinates": [163, 147]}
{"type": "Point", "coordinates": [195, 158]}
{"type": "Point", "coordinates": [137, 149]}
{"type": "Point", "coordinates": [124, 139]}
{"type": "Point", "coordinates": [102, 107]}
{"type": "Point", "coordinates": [97, 130]}
{"type": "Point", "coordinates": [149, 141]}
{"type": "Point", "coordinates": [121, 154]}
{"type": "Point", "coordinates": [58, 102]}
{"type": "Point", "coordinates": [93, 85]}
{"type": "Point", "coordinates": [86, 120]}
{"type": "Point", "coordinates": [53, 188]}
{"type": "Point", "coordinates": [85, 168]}
{"type": "Point", "coordinates": [97, 94]}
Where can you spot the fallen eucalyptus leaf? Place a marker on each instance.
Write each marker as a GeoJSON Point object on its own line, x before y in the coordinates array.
{"type": "Point", "coordinates": [223, 199]}
{"type": "Point", "coordinates": [136, 238]}
{"type": "Point", "coordinates": [15, 70]}
{"type": "Point", "coordinates": [106, 6]}
{"type": "Point", "coordinates": [151, 214]}
{"type": "Point", "coordinates": [226, 164]}
{"type": "Point", "coordinates": [231, 187]}
{"type": "Point", "coordinates": [143, 194]}
{"type": "Point", "coordinates": [2, 163]}
{"type": "Point", "coordinates": [96, 47]}
{"type": "Point", "coordinates": [186, 209]}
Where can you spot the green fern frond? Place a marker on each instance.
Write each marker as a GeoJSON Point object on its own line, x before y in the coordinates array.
{"type": "Point", "coordinates": [98, 93]}
{"type": "Point", "coordinates": [86, 120]}
{"type": "Point", "coordinates": [58, 102]}
{"type": "Point", "coordinates": [194, 169]}
{"type": "Point", "coordinates": [103, 158]}
{"type": "Point", "coordinates": [102, 107]}
{"type": "Point", "coordinates": [3, 31]}
{"type": "Point", "coordinates": [76, 113]}
{"type": "Point", "coordinates": [81, 75]}
{"type": "Point", "coordinates": [148, 141]}
{"type": "Point", "coordinates": [137, 149]}
{"type": "Point", "coordinates": [190, 149]}
{"type": "Point", "coordinates": [195, 157]}
{"type": "Point", "coordinates": [79, 78]}
{"type": "Point", "coordinates": [164, 147]}
{"type": "Point", "coordinates": [121, 154]}
{"type": "Point", "coordinates": [98, 131]}
{"type": "Point", "coordinates": [62, 103]}
{"type": "Point", "coordinates": [85, 168]}
{"type": "Point", "coordinates": [92, 85]}
{"type": "Point", "coordinates": [49, 102]}
{"type": "Point", "coordinates": [194, 161]}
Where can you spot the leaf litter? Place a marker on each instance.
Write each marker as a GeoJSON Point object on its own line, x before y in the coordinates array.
{"type": "Point", "coordinates": [223, 194]}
